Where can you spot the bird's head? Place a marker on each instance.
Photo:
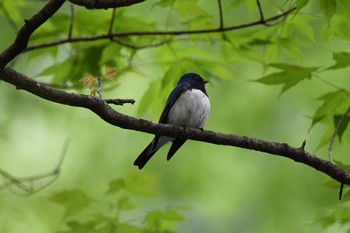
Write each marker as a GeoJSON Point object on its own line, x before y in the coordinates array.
{"type": "Point", "coordinates": [193, 79]}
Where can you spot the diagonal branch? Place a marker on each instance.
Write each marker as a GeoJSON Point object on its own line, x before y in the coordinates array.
{"type": "Point", "coordinates": [26, 31]}
{"type": "Point", "coordinates": [108, 114]}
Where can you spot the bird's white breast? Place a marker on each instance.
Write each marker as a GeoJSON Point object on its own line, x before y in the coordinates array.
{"type": "Point", "coordinates": [191, 109]}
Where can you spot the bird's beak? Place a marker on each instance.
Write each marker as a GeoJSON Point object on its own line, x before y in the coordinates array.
{"type": "Point", "coordinates": [205, 81]}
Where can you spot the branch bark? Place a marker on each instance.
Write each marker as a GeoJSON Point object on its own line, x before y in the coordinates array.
{"type": "Point", "coordinates": [27, 30]}
{"type": "Point", "coordinates": [262, 21]}
{"type": "Point", "coordinates": [108, 114]}
{"type": "Point", "coordinates": [104, 4]}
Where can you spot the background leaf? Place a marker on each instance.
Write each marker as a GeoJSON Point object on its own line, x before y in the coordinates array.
{"type": "Point", "coordinates": [328, 8]}
{"type": "Point", "coordinates": [288, 77]}
{"type": "Point", "coordinates": [342, 60]}
{"type": "Point", "coordinates": [73, 201]}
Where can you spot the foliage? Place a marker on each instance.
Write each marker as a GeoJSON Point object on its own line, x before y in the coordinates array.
{"type": "Point", "coordinates": [289, 54]}
{"type": "Point", "coordinates": [106, 215]}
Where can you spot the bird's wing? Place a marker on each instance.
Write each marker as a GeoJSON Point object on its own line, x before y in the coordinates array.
{"type": "Point", "coordinates": [174, 95]}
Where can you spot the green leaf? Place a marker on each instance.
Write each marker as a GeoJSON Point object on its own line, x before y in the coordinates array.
{"type": "Point", "coordinates": [342, 165]}
{"type": "Point", "coordinates": [77, 227]}
{"type": "Point", "coordinates": [116, 186]}
{"type": "Point", "coordinates": [301, 4]}
{"type": "Point", "coordinates": [333, 103]}
{"type": "Point", "coordinates": [345, 4]}
{"type": "Point", "coordinates": [342, 59]}
{"type": "Point", "coordinates": [125, 204]}
{"type": "Point", "coordinates": [149, 104]}
{"type": "Point", "coordinates": [59, 72]}
{"type": "Point", "coordinates": [110, 54]}
{"type": "Point", "coordinates": [126, 228]}
{"type": "Point", "coordinates": [303, 25]}
{"type": "Point", "coordinates": [338, 27]}
{"type": "Point", "coordinates": [189, 9]}
{"type": "Point", "coordinates": [288, 77]}
{"type": "Point", "coordinates": [326, 138]}
{"type": "Point", "coordinates": [164, 220]}
{"type": "Point", "coordinates": [73, 201]}
{"type": "Point", "coordinates": [332, 184]}
{"type": "Point", "coordinates": [164, 3]}
{"type": "Point", "coordinates": [328, 8]}
{"type": "Point", "coordinates": [135, 183]}
{"type": "Point", "coordinates": [343, 126]}
{"type": "Point", "coordinates": [140, 184]}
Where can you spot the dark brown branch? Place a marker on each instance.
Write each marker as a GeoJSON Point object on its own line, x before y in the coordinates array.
{"type": "Point", "coordinates": [26, 31]}
{"type": "Point", "coordinates": [160, 33]}
{"type": "Point", "coordinates": [119, 101]}
{"type": "Point", "coordinates": [104, 4]}
{"type": "Point", "coordinates": [108, 114]}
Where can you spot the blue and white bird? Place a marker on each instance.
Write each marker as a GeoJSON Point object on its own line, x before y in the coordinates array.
{"type": "Point", "coordinates": [187, 105]}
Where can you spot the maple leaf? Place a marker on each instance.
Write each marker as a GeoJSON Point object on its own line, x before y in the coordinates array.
{"type": "Point", "coordinates": [89, 80]}
{"type": "Point", "coordinates": [111, 73]}
{"type": "Point", "coordinates": [93, 91]}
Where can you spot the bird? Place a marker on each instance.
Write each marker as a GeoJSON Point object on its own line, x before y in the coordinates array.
{"type": "Point", "coordinates": [188, 106]}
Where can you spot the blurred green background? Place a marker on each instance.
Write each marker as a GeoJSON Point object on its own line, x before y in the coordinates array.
{"type": "Point", "coordinates": [222, 189]}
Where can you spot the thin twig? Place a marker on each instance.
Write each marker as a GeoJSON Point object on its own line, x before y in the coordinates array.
{"type": "Point", "coordinates": [26, 184]}
{"type": "Point", "coordinates": [266, 22]}
{"type": "Point", "coordinates": [221, 15]}
{"type": "Point", "coordinates": [113, 117]}
{"type": "Point", "coordinates": [111, 23]}
{"type": "Point", "coordinates": [23, 35]}
{"type": "Point", "coordinates": [71, 21]}
{"type": "Point", "coordinates": [345, 91]}
{"type": "Point", "coordinates": [341, 191]}
{"type": "Point", "coordinates": [330, 149]}
{"type": "Point", "coordinates": [99, 88]}
{"type": "Point", "coordinates": [119, 101]}
{"type": "Point", "coordinates": [260, 12]}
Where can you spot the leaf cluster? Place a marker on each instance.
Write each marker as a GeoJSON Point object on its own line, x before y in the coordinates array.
{"type": "Point", "coordinates": [83, 213]}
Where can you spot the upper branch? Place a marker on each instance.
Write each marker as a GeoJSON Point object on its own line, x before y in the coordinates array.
{"type": "Point", "coordinates": [104, 4]}
{"type": "Point", "coordinates": [108, 114]}
{"type": "Point", "coordinates": [26, 31]}
{"type": "Point", "coordinates": [115, 35]}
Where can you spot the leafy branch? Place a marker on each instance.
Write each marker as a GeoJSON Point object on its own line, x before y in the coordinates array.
{"type": "Point", "coordinates": [117, 36]}
{"type": "Point", "coordinates": [108, 114]}
{"type": "Point", "coordinates": [100, 106]}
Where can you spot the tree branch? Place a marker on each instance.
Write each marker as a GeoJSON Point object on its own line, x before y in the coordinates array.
{"type": "Point", "coordinates": [221, 17]}
{"type": "Point", "coordinates": [102, 109]}
{"type": "Point", "coordinates": [104, 4]}
{"type": "Point", "coordinates": [267, 22]}
{"type": "Point", "coordinates": [26, 31]}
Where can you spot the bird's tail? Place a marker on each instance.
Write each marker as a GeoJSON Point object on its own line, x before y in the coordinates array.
{"type": "Point", "coordinates": [150, 150]}
{"type": "Point", "coordinates": [145, 156]}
